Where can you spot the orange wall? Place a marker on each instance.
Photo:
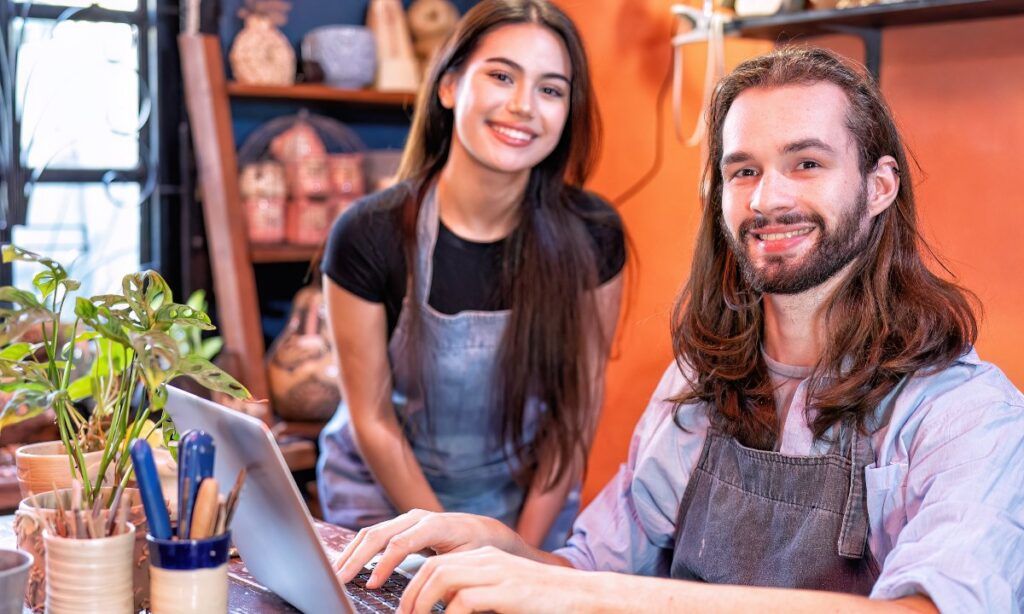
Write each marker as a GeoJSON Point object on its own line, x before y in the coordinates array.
{"type": "Point", "coordinates": [958, 93]}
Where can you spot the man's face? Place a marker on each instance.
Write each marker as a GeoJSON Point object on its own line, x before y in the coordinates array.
{"type": "Point", "coordinates": [794, 202]}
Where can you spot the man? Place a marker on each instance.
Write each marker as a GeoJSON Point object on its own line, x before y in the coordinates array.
{"type": "Point", "coordinates": [827, 438]}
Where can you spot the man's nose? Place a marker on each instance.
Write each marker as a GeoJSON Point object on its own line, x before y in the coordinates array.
{"type": "Point", "coordinates": [774, 194]}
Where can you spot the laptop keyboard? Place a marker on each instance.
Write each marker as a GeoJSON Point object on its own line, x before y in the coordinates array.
{"type": "Point", "coordinates": [383, 599]}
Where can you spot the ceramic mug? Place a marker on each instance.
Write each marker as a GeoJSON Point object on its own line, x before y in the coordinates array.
{"type": "Point", "coordinates": [14, 566]}
{"type": "Point", "coordinates": [189, 575]}
{"type": "Point", "coordinates": [89, 575]}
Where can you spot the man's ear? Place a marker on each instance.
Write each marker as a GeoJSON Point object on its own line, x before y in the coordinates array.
{"type": "Point", "coordinates": [883, 183]}
{"type": "Point", "coordinates": [446, 89]}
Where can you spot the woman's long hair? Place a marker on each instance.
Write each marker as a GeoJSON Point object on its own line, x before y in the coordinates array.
{"type": "Point", "coordinates": [893, 317]}
{"type": "Point", "coordinates": [550, 265]}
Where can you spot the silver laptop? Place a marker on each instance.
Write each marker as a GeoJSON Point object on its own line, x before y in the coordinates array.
{"type": "Point", "coordinates": [272, 528]}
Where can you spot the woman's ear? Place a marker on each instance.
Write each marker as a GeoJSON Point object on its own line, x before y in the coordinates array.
{"type": "Point", "coordinates": [883, 183]}
{"type": "Point", "coordinates": [446, 89]}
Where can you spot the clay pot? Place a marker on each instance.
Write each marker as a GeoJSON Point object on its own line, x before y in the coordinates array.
{"type": "Point", "coordinates": [42, 466]}
{"type": "Point", "coordinates": [301, 368]}
{"type": "Point", "coordinates": [29, 533]}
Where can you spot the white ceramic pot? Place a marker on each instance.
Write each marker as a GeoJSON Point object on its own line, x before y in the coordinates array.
{"type": "Point", "coordinates": [29, 534]}
{"type": "Point", "coordinates": [89, 575]}
{"type": "Point", "coordinates": [44, 466]}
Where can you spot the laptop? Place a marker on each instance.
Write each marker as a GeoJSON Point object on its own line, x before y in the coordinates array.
{"type": "Point", "coordinates": [272, 528]}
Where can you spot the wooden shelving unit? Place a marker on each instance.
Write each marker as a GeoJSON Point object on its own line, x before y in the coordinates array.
{"type": "Point", "coordinates": [208, 96]}
{"type": "Point", "coordinates": [284, 252]}
{"type": "Point", "coordinates": [316, 91]}
{"type": "Point", "coordinates": [868, 21]}
{"type": "Point", "coordinates": [907, 13]}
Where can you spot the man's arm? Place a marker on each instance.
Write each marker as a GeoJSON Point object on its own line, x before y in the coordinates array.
{"type": "Point", "coordinates": [488, 579]}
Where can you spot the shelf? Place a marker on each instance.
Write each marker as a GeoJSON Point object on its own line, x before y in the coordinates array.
{"type": "Point", "coordinates": [910, 12]}
{"type": "Point", "coordinates": [282, 252]}
{"type": "Point", "coordinates": [316, 91]}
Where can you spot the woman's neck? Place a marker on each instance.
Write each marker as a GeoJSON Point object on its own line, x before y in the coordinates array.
{"type": "Point", "coordinates": [477, 203]}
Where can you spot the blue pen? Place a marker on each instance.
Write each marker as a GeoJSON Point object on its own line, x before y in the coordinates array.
{"type": "Point", "coordinates": [149, 489]}
{"type": "Point", "coordinates": [199, 459]}
{"type": "Point", "coordinates": [183, 463]}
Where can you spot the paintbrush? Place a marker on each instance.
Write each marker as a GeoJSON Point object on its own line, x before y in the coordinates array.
{"type": "Point", "coordinates": [62, 526]}
{"type": "Point", "coordinates": [112, 516]}
{"type": "Point", "coordinates": [232, 501]}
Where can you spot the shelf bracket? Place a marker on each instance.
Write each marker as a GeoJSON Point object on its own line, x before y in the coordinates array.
{"type": "Point", "coordinates": [872, 40]}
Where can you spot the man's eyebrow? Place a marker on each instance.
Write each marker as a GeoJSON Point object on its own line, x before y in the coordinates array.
{"type": "Point", "coordinates": [517, 67]}
{"type": "Point", "coordinates": [811, 143]}
{"type": "Point", "coordinates": [736, 157]}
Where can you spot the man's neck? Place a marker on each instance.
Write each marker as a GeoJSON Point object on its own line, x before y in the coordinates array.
{"type": "Point", "coordinates": [794, 324]}
{"type": "Point", "coordinates": [477, 203]}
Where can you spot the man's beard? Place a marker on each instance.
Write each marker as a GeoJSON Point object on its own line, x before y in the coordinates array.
{"type": "Point", "coordinates": [833, 250]}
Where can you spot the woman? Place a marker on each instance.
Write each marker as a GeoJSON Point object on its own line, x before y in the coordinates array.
{"type": "Point", "coordinates": [472, 305]}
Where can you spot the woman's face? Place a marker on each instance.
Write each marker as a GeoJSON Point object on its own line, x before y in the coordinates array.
{"type": "Point", "coordinates": [510, 99]}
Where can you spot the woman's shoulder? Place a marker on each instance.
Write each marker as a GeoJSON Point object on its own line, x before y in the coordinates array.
{"type": "Point", "coordinates": [606, 231]}
{"type": "Point", "coordinates": [372, 217]}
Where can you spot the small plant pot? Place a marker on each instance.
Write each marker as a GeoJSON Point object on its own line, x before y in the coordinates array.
{"type": "Point", "coordinates": [89, 575]}
{"type": "Point", "coordinates": [29, 533]}
{"type": "Point", "coordinates": [43, 466]}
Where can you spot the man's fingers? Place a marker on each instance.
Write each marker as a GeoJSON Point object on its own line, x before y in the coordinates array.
{"type": "Point", "coordinates": [477, 599]}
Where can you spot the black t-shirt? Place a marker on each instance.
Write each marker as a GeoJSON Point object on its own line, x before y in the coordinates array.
{"type": "Point", "coordinates": [364, 256]}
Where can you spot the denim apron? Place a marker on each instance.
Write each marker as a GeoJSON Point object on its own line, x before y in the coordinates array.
{"type": "Point", "coordinates": [450, 421]}
{"type": "Point", "coordinates": [760, 518]}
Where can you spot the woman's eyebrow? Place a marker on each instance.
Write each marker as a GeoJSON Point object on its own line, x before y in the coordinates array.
{"type": "Point", "coordinates": [515, 66]}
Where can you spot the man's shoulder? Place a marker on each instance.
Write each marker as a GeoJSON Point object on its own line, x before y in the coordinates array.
{"type": "Point", "coordinates": [965, 396]}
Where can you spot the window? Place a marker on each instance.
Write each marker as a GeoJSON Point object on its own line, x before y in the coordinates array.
{"type": "Point", "coordinates": [79, 165]}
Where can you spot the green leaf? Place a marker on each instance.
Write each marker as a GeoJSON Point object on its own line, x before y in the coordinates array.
{"type": "Point", "coordinates": [197, 300]}
{"type": "Point", "coordinates": [157, 355]}
{"type": "Point", "coordinates": [212, 377]}
{"type": "Point", "coordinates": [101, 319]}
{"type": "Point", "coordinates": [22, 407]}
{"type": "Point", "coordinates": [146, 292]}
{"type": "Point", "coordinates": [211, 347]}
{"type": "Point", "coordinates": [10, 294]}
{"type": "Point", "coordinates": [45, 282]}
{"type": "Point", "coordinates": [17, 351]}
{"type": "Point", "coordinates": [184, 315]}
{"type": "Point", "coordinates": [81, 388]}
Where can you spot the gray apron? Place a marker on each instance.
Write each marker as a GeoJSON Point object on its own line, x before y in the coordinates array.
{"type": "Point", "coordinates": [451, 424]}
{"type": "Point", "coordinates": [760, 518]}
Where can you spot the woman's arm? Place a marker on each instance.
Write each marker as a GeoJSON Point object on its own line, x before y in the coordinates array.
{"type": "Point", "coordinates": [359, 329]}
{"type": "Point", "coordinates": [541, 507]}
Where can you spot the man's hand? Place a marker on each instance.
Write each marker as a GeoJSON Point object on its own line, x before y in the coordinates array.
{"type": "Point", "coordinates": [488, 579]}
{"type": "Point", "coordinates": [419, 530]}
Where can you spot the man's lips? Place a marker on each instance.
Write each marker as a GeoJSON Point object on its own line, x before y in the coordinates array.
{"type": "Point", "coordinates": [777, 239]}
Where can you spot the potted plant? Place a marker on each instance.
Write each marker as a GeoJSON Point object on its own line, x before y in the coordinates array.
{"type": "Point", "coordinates": [118, 353]}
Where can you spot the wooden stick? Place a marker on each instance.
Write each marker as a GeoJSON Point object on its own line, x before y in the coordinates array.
{"type": "Point", "coordinates": [114, 507]}
{"type": "Point", "coordinates": [204, 512]}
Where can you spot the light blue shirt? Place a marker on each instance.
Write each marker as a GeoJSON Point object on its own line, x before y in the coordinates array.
{"type": "Point", "coordinates": [945, 494]}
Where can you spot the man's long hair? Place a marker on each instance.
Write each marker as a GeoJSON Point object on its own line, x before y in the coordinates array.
{"type": "Point", "coordinates": [893, 316]}
{"type": "Point", "coordinates": [550, 264]}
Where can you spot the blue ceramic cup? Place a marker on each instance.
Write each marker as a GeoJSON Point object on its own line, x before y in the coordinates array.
{"type": "Point", "coordinates": [189, 575]}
